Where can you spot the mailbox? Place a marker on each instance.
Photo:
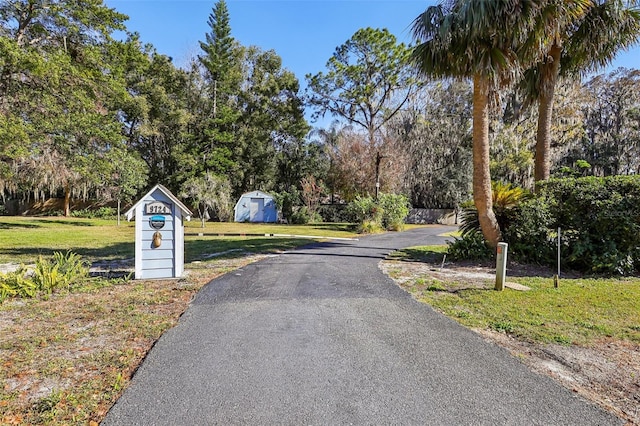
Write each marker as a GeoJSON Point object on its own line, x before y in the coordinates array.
{"type": "Point", "coordinates": [159, 234]}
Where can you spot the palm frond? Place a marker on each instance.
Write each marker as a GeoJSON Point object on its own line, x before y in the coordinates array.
{"type": "Point", "coordinates": [505, 198]}
{"type": "Point", "coordinates": [607, 28]}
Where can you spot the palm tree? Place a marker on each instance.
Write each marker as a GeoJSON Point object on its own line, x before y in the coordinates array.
{"type": "Point", "coordinates": [475, 39]}
{"type": "Point", "coordinates": [576, 36]}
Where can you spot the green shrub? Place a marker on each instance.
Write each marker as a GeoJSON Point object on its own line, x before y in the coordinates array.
{"type": "Point", "coordinates": [336, 213]}
{"type": "Point", "coordinates": [530, 235]}
{"type": "Point", "coordinates": [99, 213]}
{"type": "Point", "coordinates": [470, 246]}
{"type": "Point", "coordinates": [365, 209]}
{"type": "Point", "coordinates": [286, 201]}
{"type": "Point", "coordinates": [388, 212]}
{"type": "Point", "coordinates": [302, 217]}
{"type": "Point", "coordinates": [599, 220]}
{"type": "Point", "coordinates": [395, 208]}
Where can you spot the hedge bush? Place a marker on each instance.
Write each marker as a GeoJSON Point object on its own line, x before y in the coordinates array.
{"type": "Point", "coordinates": [99, 213]}
{"type": "Point", "coordinates": [388, 212]}
{"type": "Point", "coordinates": [302, 216]}
{"type": "Point", "coordinates": [395, 208]}
{"type": "Point", "coordinates": [336, 213]}
{"type": "Point", "coordinates": [470, 246]}
{"type": "Point", "coordinates": [367, 214]}
{"type": "Point", "coordinates": [599, 220]}
{"type": "Point", "coordinates": [530, 235]}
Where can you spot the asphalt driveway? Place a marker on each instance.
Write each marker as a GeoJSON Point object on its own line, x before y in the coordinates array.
{"type": "Point", "coordinates": [319, 336]}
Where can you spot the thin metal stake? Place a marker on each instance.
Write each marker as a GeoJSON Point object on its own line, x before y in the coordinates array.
{"type": "Point", "coordinates": [556, 278]}
{"type": "Point", "coordinates": [558, 252]}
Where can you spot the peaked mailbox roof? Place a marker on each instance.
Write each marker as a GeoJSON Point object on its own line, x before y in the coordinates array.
{"type": "Point", "coordinates": [131, 213]}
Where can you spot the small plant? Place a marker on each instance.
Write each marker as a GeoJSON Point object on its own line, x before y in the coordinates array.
{"type": "Point", "coordinates": [60, 272]}
{"type": "Point", "coordinates": [48, 403]}
{"type": "Point", "coordinates": [436, 286]}
{"type": "Point", "coordinates": [370, 227]}
{"type": "Point", "coordinates": [505, 200]}
{"type": "Point", "coordinates": [16, 284]}
{"type": "Point", "coordinates": [462, 314]}
{"type": "Point", "coordinates": [562, 340]}
{"type": "Point", "coordinates": [502, 326]}
{"type": "Point", "coordinates": [471, 246]}
{"type": "Point", "coordinates": [71, 265]}
{"type": "Point", "coordinates": [46, 276]}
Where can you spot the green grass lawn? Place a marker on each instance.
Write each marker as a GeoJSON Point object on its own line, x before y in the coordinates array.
{"type": "Point", "coordinates": [23, 239]}
{"type": "Point", "coordinates": [579, 311]}
{"type": "Point", "coordinates": [340, 230]}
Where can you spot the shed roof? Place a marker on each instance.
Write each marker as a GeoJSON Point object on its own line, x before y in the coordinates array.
{"type": "Point", "coordinates": [131, 213]}
{"type": "Point", "coordinates": [253, 194]}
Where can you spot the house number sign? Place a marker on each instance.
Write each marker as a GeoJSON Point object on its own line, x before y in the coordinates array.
{"type": "Point", "coordinates": [157, 207]}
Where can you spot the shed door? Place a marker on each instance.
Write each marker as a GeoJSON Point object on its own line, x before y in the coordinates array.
{"type": "Point", "coordinates": [256, 210]}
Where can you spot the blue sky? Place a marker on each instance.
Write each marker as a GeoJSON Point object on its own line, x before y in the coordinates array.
{"type": "Point", "coordinates": [304, 33]}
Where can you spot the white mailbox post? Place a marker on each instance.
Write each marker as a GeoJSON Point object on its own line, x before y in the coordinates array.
{"type": "Point", "coordinates": [159, 234]}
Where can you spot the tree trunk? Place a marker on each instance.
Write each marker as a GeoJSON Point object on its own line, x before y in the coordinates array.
{"type": "Point", "coordinates": [67, 200]}
{"type": "Point", "coordinates": [549, 74]}
{"type": "Point", "coordinates": [482, 197]}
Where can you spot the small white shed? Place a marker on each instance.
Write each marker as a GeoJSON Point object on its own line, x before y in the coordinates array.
{"type": "Point", "coordinates": [159, 234]}
{"type": "Point", "coordinates": [256, 206]}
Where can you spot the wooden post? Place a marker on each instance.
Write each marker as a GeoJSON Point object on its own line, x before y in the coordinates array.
{"type": "Point", "coordinates": [501, 266]}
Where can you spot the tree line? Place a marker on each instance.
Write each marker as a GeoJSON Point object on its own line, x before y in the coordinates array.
{"type": "Point", "coordinates": [88, 115]}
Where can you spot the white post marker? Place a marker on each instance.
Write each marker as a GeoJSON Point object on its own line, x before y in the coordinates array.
{"type": "Point", "coordinates": [501, 266]}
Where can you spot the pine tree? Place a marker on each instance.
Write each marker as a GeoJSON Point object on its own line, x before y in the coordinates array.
{"type": "Point", "coordinates": [219, 54]}
{"type": "Point", "coordinates": [222, 76]}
